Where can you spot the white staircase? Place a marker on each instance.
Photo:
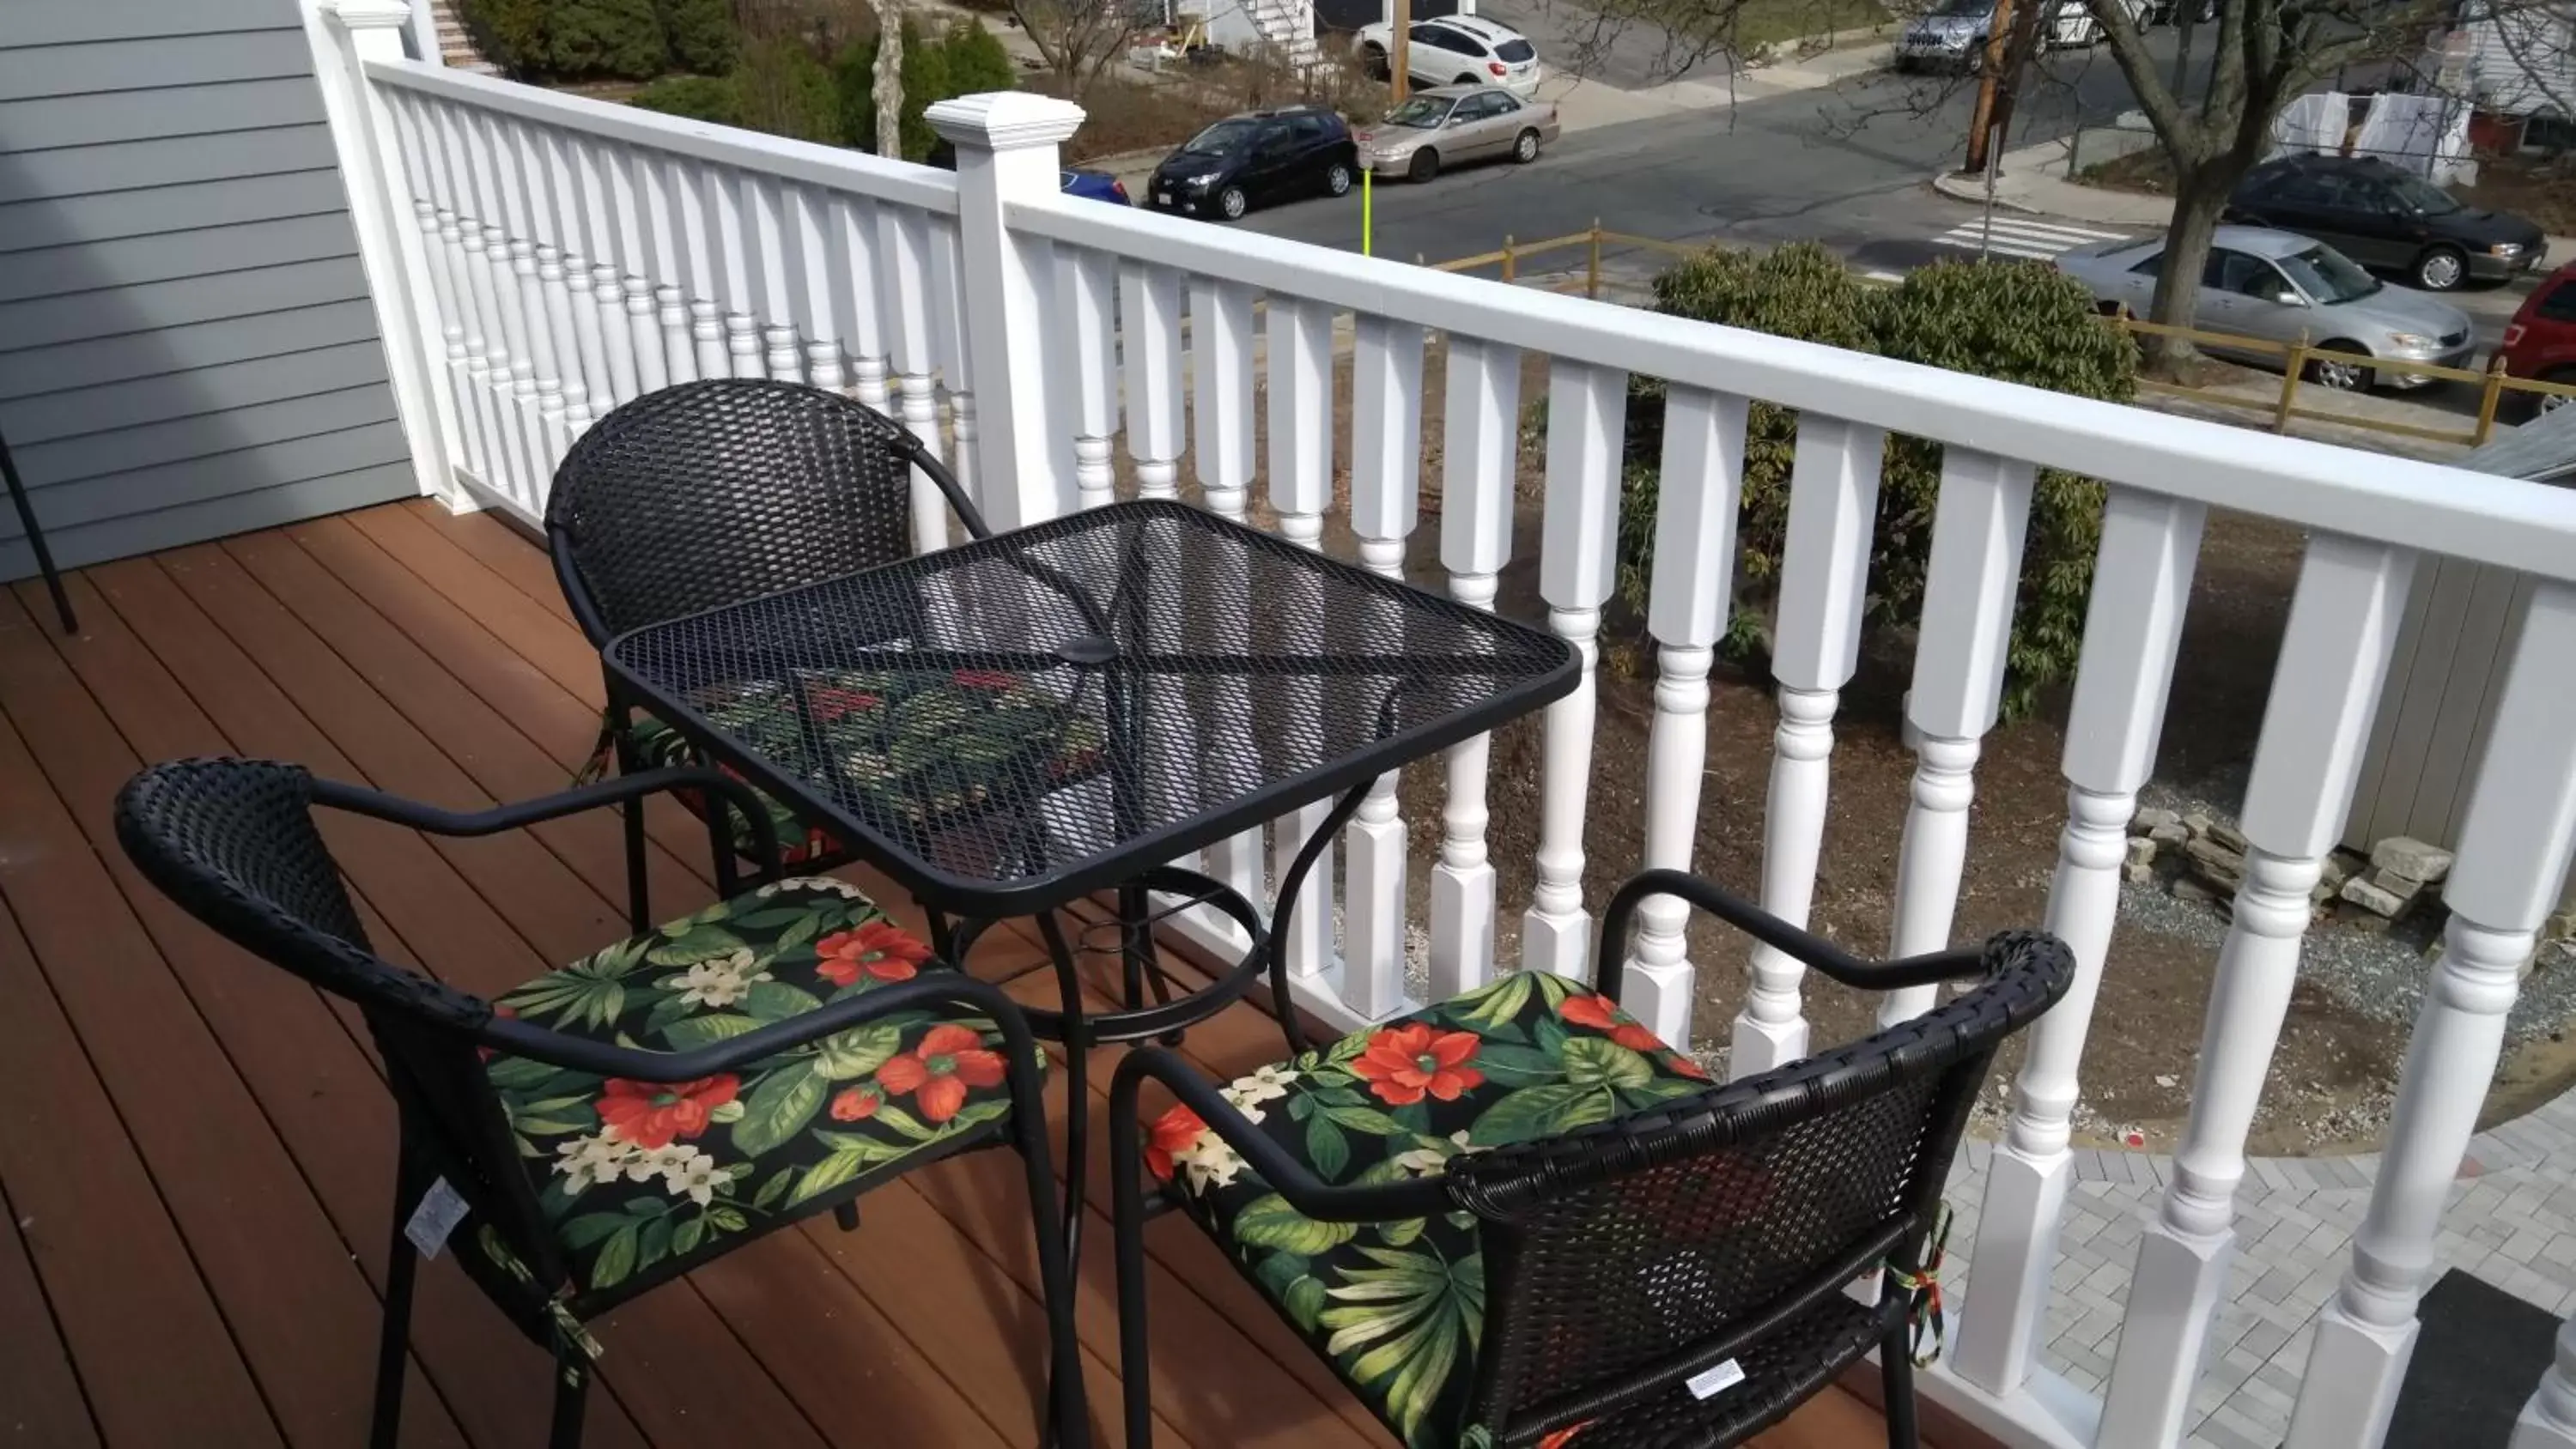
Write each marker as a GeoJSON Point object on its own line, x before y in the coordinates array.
{"type": "Point", "coordinates": [455, 47]}
{"type": "Point", "coordinates": [1288, 25]}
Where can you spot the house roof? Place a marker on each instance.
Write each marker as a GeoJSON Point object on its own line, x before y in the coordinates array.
{"type": "Point", "coordinates": [2543, 449]}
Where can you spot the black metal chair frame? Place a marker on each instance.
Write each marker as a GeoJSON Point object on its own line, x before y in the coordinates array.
{"type": "Point", "coordinates": [2024, 974]}
{"type": "Point", "coordinates": [431, 1036]}
{"type": "Point", "coordinates": [752, 490]}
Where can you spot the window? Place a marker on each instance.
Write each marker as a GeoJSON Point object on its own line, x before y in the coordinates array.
{"type": "Point", "coordinates": [1308, 128]}
{"type": "Point", "coordinates": [1515, 50]}
{"type": "Point", "coordinates": [2559, 304]}
{"type": "Point", "coordinates": [1500, 103]}
{"type": "Point", "coordinates": [2236, 272]}
{"type": "Point", "coordinates": [1441, 37]}
{"type": "Point", "coordinates": [2421, 196]}
{"type": "Point", "coordinates": [2329, 276]}
{"type": "Point", "coordinates": [1483, 107]}
{"type": "Point", "coordinates": [2152, 266]}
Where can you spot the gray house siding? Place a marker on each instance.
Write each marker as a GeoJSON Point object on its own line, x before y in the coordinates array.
{"type": "Point", "coordinates": [187, 348]}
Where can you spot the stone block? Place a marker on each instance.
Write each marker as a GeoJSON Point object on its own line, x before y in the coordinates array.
{"type": "Point", "coordinates": [2371, 896]}
{"type": "Point", "coordinates": [2404, 855]}
{"type": "Point", "coordinates": [2196, 821]}
{"type": "Point", "coordinates": [2226, 834]}
{"type": "Point", "coordinates": [2150, 819]}
{"type": "Point", "coordinates": [2340, 866]}
{"type": "Point", "coordinates": [2173, 834]}
{"type": "Point", "coordinates": [2560, 927]}
{"type": "Point", "coordinates": [2189, 888]}
{"type": "Point", "coordinates": [2216, 864]}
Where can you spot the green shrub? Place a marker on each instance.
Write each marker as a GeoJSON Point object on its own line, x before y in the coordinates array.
{"type": "Point", "coordinates": [2023, 324]}
{"type": "Point", "coordinates": [510, 33]}
{"type": "Point", "coordinates": [976, 62]}
{"type": "Point", "coordinates": [606, 38]}
{"type": "Point", "coordinates": [964, 60]}
{"type": "Point", "coordinates": [786, 91]}
{"type": "Point", "coordinates": [702, 35]}
{"type": "Point", "coordinates": [699, 97]}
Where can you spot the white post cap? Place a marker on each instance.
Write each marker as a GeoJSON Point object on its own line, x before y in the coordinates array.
{"type": "Point", "coordinates": [996, 120]}
{"type": "Point", "coordinates": [368, 14]}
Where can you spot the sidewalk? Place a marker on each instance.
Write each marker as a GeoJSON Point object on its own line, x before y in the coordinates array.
{"type": "Point", "coordinates": [2033, 179]}
{"type": "Point", "coordinates": [1582, 104]}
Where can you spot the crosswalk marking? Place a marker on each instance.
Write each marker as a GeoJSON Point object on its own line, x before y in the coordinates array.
{"type": "Point", "coordinates": [2013, 236]}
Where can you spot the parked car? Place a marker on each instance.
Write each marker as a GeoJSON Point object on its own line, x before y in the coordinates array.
{"type": "Point", "coordinates": [1952, 35]}
{"type": "Point", "coordinates": [1255, 159]}
{"type": "Point", "coordinates": [1460, 50]}
{"type": "Point", "coordinates": [2540, 341]}
{"type": "Point", "coordinates": [1095, 185]}
{"type": "Point", "coordinates": [1446, 125]}
{"type": "Point", "coordinates": [2282, 288]}
{"type": "Point", "coordinates": [2384, 216]}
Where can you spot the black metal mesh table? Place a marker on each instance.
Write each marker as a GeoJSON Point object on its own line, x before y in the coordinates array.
{"type": "Point", "coordinates": [1011, 725]}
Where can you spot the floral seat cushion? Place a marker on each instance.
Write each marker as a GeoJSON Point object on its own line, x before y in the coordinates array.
{"type": "Point", "coordinates": [639, 1180]}
{"type": "Point", "coordinates": [921, 746]}
{"type": "Point", "coordinates": [1398, 1308]}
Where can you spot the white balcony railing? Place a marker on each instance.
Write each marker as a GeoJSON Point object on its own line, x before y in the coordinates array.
{"type": "Point", "coordinates": [540, 258]}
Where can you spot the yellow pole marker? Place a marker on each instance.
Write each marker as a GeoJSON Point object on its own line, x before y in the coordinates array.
{"type": "Point", "coordinates": [1368, 211]}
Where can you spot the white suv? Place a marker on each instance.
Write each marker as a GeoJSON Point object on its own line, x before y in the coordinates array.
{"type": "Point", "coordinates": [1458, 50]}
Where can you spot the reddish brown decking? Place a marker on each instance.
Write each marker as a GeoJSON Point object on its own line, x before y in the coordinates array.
{"type": "Point", "coordinates": [195, 1149]}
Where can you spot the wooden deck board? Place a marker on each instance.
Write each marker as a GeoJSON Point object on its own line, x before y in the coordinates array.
{"type": "Point", "coordinates": [198, 1149]}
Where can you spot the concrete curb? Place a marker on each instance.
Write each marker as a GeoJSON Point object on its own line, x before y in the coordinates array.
{"type": "Point", "coordinates": [1972, 189]}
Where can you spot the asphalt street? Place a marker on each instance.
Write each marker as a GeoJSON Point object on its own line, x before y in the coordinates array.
{"type": "Point", "coordinates": [1845, 165]}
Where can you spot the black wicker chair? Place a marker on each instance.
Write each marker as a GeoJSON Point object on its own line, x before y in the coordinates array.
{"type": "Point", "coordinates": [610, 1126]}
{"type": "Point", "coordinates": [1518, 1219]}
{"type": "Point", "coordinates": [710, 493]}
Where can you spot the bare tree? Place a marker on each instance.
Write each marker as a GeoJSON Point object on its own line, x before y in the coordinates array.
{"type": "Point", "coordinates": [885, 86]}
{"type": "Point", "coordinates": [1076, 38]}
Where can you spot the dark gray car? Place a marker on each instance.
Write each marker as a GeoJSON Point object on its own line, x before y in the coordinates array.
{"type": "Point", "coordinates": [2284, 288]}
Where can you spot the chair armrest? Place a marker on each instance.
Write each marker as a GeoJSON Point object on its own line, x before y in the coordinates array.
{"type": "Point", "coordinates": [1810, 949]}
{"type": "Point", "coordinates": [918, 454]}
{"type": "Point", "coordinates": [1419, 1197]}
{"type": "Point", "coordinates": [359, 800]}
{"type": "Point", "coordinates": [933, 989]}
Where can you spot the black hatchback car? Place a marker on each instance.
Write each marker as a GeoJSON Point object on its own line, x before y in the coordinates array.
{"type": "Point", "coordinates": [2386, 217]}
{"type": "Point", "coordinates": [1255, 159]}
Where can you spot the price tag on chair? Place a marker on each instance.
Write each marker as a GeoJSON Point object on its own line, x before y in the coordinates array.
{"type": "Point", "coordinates": [441, 1209]}
{"type": "Point", "coordinates": [1709, 1382]}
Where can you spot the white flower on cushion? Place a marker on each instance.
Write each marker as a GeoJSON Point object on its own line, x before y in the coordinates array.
{"type": "Point", "coordinates": [823, 884]}
{"type": "Point", "coordinates": [698, 1177]}
{"type": "Point", "coordinates": [720, 981]}
{"type": "Point", "coordinates": [1424, 1161]}
{"type": "Point", "coordinates": [1210, 1162]}
{"type": "Point", "coordinates": [651, 1162]}
{"type": "Point", "coordinates": [584, 1161]}
{"type": "Point", "coordinates": [1262, 1086]}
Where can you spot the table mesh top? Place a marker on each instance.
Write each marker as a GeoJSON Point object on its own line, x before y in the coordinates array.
{"type": "Point", "coordinates": [1041, 712]}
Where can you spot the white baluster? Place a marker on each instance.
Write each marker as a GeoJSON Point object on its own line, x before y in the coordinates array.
{"type": "Point", "coordinates": [1149, 305]}
{"type": "Point", "coordinates": [1973, 579]}
{"type": "Point", "coordinates": [486, 361]}
{"type": "Point", "coordinates": [1480, 436]}
{"type": "Point", "coordinates": [2548, 1420]}
{"type": "Point", "coordinates": [904, 286]}
{"type": "Point", "coordinates": [512, 148]}
{"type": "Point", "coordinates": [1386, 502]}
{"type": "Point", "coordinates": [855, 263]}
{"type": "Point", "coordinates": [2343, 623]}
{"type": "Point", "coordinates": [2141, 581]}
{"type": "Point", "coordinates": [1301, 486]}
{"type": "Point", "coordinates": [1221, 340]}
{"type": "Point", "coordinates": [1587, 413]}
{"type": "Point", "coordinates": [1088, 282]}
{"type": "Point", "coordinates": [703, 259]}
{"type": "Point", "coordinates": [1697, 494]}
{"type": "Point", "coordinates": [956, 371]}
{"type": "Point", "coordinates": [1824, 581]}
{"type": "Point", "coordinates": [443, 254]}
{"type": "Point", "coordinates": [514, 378]}
{"type": "Point", "coordinates": [2512, 863]}
{"type": "Point", "coordinates": [666, 264]}
{"type": "Point", "coordinates": [729, 230]}
{"type": "Point", "coordinates": [562, 275]}
{"type": "Point", "coordinates": [769, 235]}
{"type": "Point", "coordinates": [596, 192]}
{"type": "Point", "coordinates": [811, 237]}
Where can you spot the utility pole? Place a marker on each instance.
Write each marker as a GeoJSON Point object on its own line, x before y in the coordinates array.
{"type": "Point", "coordinates": [1990, 75]}
{"type": "Point", "coordinates": [1399, 52]}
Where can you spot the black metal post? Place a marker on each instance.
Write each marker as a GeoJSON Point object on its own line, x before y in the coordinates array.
{"type": "Point", "coordinates": [36, 540]}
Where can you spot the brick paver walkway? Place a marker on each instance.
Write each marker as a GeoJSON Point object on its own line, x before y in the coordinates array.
{"type": "Point", "coordinates": [2511, 1222]}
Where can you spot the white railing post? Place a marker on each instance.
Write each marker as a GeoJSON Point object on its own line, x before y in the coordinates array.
{"type": "Point", "coordinates": [443, 256]}
{"type": "Point", "coordinates": [816, 238]}
{"type": "Point", "coordinates": [2512, 862]}
{"type": "Point", "coordinates": [597, 195]}
{"type": "Point", "coordinates": [2343, 623]}
{"type": "Point", "coordinates": [1587, 418]}
{"type": "Point", "coordinates": [770, 230]}
{"type": "Point", "coordinates": [1480, 438]}
{"type": "Point", "coordinates": [1824, 580]}
{"type": "Point", "coordinates": [572, 316]}
{"type": "Point", "coordinates": [1300, 384]}
{"type": "Point", "coordinates": [390, 247]}
{"type": "Point", "coordinates": [544, 378]}
{"type": "Point", "coordinates": [1006, 148]}
{"type": "Point", "coordinates": [1088, 284]}
{"type": "Point", "coordinates": [1386, 502]}
{"type": "Point", "coordinates": [487, 363]}
{"type": "Point", "coordinates": [514, 374]}
{"type": "Point", "coordinates": [1149, 314]}
{"type": "Point", "coordinates": [1973, 579]}
{"type": "Point", "coordinates": [2141, 583]}
{"type": "Point", "coordinates": [856, 257]}
{"type": "Point", "coordinates": [956, 353]}
{"type": "Point", "coordinates": [1698, 493]}
{"type": "Point", "coordinates": [903, 287]}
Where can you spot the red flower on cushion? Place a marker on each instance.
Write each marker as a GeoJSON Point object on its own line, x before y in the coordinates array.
{"type": "Point", "coordinates": [1685, 1066]}
{"type": "Point", "coordinates": [1564, 1436]}
{"type": "Point", "coordinates": [985, 678]}
{"type": "Point", "coordinates": [1403, 1063]}
{"type": "Point", "coordinates": [857, 1104]}
{"type": "Point", "coordinates": [1597, 1012]}
{"type": "Point", "coordinates": [1173, 1133]}
{"type": "Point", "coordinates": [830, 702]}
{"type": "Point", "coordinates": [950, 1059]}
{"type": "Point", "coordinates": [654, 1114]}
{"type": "Point", "coordinates": [502, 1010]}
{"type": "Point", "coordinates": [879, 949]}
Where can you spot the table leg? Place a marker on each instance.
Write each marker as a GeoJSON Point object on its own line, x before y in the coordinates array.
{"type": "Point", "coordinates": [1286, 904]}
{"type": "Point", "coordinates": [1077, 1082]}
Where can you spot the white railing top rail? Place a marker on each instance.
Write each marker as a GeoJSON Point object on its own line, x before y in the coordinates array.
{"type": "Point", "coordinates": [834, 167]}
{"type": "Point", "coordinates": [2477, 516]}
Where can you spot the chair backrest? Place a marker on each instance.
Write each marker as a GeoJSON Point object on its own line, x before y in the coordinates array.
{"type": "Point", "coordinates": [233, 842]}
{"type": "Point", "coordinates": [710, 493]}
{"type": "Point", "coordinates": [1622, 1257]}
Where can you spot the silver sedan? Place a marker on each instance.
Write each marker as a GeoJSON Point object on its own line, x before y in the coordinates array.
{"type": "Point", "coordinates": [1445, 125]}
{"type": "Point", "coordinates": [2282, 287]}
